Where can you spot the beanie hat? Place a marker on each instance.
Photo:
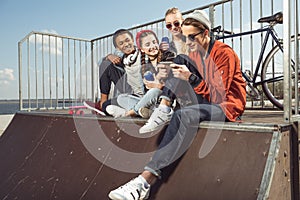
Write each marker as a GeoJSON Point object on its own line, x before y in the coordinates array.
{"type": "Point", "coordinates": [200, 16]}
{"type": "Point", "coordinates": [138, 35]}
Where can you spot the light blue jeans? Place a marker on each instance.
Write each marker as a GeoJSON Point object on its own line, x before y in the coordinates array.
{"type": "Point", "coordinates": [132, 102]}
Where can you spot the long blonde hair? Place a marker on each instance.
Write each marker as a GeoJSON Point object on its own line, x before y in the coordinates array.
{"type": "Point", "coordinates": [173, 10]}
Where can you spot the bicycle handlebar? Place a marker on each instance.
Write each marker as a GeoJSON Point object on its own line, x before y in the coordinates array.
{"type": "Point", "coordinates": [218, 29]}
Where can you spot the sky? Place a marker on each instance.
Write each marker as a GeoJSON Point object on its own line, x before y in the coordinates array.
{"type": "Point", "coordinates": [87, 19]}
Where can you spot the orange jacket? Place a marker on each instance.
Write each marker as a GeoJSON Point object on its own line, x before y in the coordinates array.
{"type": "Point", "coordinates": [222, 82]}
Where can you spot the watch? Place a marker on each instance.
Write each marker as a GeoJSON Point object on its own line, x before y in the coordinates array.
{"type": "Point", "coordinates": [193, 78]}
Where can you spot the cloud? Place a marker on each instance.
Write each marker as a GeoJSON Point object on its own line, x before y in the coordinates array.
{"type": "Point", "coordinates": [6, 76]}
{"type": "Point", "coordinates": [50, 31]}
{"type": "Point", "coordinates": [48, 43]}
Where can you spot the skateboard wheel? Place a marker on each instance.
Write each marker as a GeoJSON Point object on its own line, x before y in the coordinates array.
{"type": "Point", "coordinates": [79, 112]}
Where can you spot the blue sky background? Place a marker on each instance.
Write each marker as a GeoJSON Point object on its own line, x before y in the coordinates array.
{"type": "Point", "coordinates": [84, 19]}
{"type": "Point", "coordinates": [88, 20]}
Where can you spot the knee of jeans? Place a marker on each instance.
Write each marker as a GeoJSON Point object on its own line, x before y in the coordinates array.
{"type": "Point", "coordinates": [121, 97]}
{"type": "Point", "coordinates": [154, 91]}
{"type": "Point", "coordinates": [165, 98]}
{"type": "Point", "coordinates": [185, 116]}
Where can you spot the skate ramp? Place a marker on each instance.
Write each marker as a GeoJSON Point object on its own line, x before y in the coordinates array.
{"type": "Point", "coordinates": [46, 156]}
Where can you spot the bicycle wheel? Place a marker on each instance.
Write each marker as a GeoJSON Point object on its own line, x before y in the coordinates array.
{"type": "Point", "coordinates": [272, 76]}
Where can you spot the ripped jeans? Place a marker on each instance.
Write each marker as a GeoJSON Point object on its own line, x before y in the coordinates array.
{"type": "Point", "coordinates": [132, 102]}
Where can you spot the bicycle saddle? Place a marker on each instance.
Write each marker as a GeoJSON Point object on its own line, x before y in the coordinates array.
{"type": "Point", "coordinates": [278, 18]}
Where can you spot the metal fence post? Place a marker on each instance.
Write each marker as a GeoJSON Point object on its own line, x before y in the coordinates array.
{"type": "Point", "coordinates": [287, 61]}
{"type": "Point", "coordinates": [92, 72]}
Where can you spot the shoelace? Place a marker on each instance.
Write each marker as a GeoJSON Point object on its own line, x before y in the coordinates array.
{"type": "Point", "coordinates": [152, 117]}
{"type": "Point", "coordinates": [131, 188]}
{"type": "Point", "coordinates": [157, 119]}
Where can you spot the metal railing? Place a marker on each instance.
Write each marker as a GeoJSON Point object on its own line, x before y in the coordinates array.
{"type": "Point", "coordinates": [232, 15]}
{"type": "Point", "coordinates": [56, 70]}
{"type": "Point", "coordinates": [103, 45]}
{"type": "Point", "coordinates": [291, 54]}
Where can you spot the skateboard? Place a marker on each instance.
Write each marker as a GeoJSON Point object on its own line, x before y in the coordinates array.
{"type": "Point", "coordinates": [94, 110]}
{"type": "Point", "coordinates": [77, 110]}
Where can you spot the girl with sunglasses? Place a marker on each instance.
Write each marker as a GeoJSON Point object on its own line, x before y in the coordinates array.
{"type": "Point", "coordinates": [173, 20]}
{"type": "Point", "coordinates": [214, 75]}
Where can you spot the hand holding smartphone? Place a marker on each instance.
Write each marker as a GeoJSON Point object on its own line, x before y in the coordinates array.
{"type": "Point", "coordinates": [175, 67]}
{"type": "Point", "coordinates": [164, 45]}
{"type": "Point", "coordinates": [149, 76]}
{"type": "Point", "coordinates": [165, 64]}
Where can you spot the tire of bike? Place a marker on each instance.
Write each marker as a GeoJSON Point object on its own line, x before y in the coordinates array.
{"type": "Point", "coordinates": [272, 76]}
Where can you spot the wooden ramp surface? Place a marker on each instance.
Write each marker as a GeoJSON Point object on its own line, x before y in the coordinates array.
{"type": "Point", "coordinates": [58, 156]}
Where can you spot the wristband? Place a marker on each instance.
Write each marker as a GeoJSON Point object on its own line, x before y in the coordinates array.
{"type": "Point", "coordinates": [193, 78]}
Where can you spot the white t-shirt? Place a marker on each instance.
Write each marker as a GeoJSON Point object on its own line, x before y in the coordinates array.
{"type": "Point", "coordinates": [134, 76]}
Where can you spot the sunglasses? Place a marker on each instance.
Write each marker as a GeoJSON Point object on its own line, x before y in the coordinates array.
{"type": "Point", "coordinates": [176, 24]}
{"type": "Point", "coordinates": [191, 37]}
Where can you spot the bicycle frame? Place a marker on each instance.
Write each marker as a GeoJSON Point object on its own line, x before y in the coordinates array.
{"type": "Point", "coordinates": [269, 31]}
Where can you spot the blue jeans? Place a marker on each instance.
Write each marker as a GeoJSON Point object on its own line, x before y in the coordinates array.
{"type": "Point", "coordinates": [108, 74]}
{"type": "Point", "coordinates": [132, 102]}
{"type": "Point", "coordinates": [181, 91]}
{"type": "Point", "coordinates": [180, 133]}
{"type": "Point", "coordinates": [184, 123]}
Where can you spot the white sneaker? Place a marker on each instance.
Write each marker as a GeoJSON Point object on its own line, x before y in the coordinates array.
{"type": "Point", "coordinates": [156, 121]}
{"type": "Point", "coordinates": [133, 190]}
{"type": "Point", "coordinates": [115, 111]}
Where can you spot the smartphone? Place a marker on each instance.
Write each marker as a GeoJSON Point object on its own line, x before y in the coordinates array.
{"type": "Point", "coordinates": [149, 76]}
{"type": "Point", "coordinates": [166, 62]}
{"type": "Point", "coordinates": [165, 39]}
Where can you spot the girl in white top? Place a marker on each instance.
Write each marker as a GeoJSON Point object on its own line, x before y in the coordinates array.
{"type": "Point", "coordinates": [151, 55]}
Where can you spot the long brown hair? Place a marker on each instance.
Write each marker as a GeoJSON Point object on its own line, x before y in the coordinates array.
{"type": "Point", "coordinates": [146, 65]}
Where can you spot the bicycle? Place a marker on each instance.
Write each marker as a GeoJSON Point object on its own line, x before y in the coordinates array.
{"type": "Point", "coordinates": [271, 67]}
